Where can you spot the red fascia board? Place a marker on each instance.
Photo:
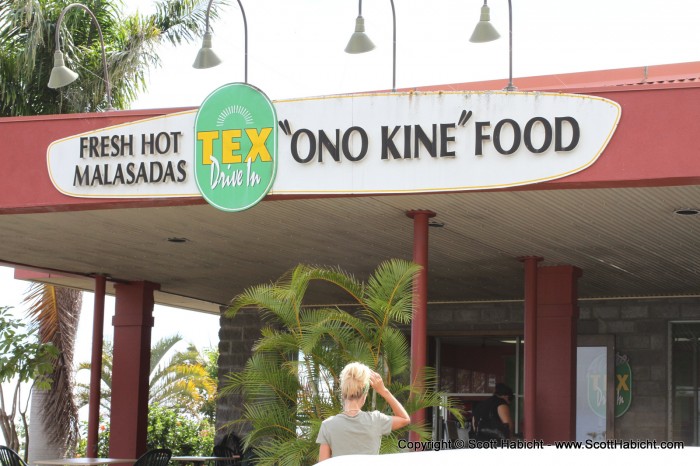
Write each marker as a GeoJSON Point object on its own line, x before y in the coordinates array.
{"type": "Point", "coordinates": [25, 186]}
{"type": "Point", "coordinates": [35, 274]}
{"type": "Point", "coordinates": [654, 145]}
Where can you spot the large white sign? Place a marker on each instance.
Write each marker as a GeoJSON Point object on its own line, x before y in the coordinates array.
{"type": "Point", "coordinates": [388, 143]}
{"type": "Point", "coordinates": [360, 144]}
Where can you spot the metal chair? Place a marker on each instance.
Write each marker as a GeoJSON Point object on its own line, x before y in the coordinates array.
{"type": "Point", "coordinates": [451, 432]}
{"type": "Point", "coordinates": [222, 451]}
{"type": "Point", "coordinates": [8, 457]}
{"type": "Point", "coordinates": [155, 457]}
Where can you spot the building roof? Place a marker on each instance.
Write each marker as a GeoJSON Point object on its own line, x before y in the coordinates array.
{"type": "Point", "coordinates": [657, 75]}
{"type": "Point", "coordinates": [614, 220]}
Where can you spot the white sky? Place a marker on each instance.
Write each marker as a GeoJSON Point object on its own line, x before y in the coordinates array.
{"type": "Point", "coordinates": [196, 327]}
{"type": "Point", "coordinates": [296, 50]}
{"type": "Point", "coordinates": [296, 46]}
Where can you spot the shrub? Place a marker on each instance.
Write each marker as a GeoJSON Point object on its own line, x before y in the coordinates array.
{"type": "Point", "coordinates": [166, 429]}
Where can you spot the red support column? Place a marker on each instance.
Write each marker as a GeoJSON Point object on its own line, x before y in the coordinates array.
{"type": "Point", "coordinates": [557, 315]}
{"type": "Point", "coordinates": [419, 323]}
{"type": "Point", "coordinates": [530, 321]}
{"type": "Point", "coordinates": [96, 366]}
{"type": "Point", "coordinates": [132, 322]}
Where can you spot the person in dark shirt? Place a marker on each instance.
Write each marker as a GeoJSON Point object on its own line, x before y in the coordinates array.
{"type": "Point", "coordinates": [492, 419]}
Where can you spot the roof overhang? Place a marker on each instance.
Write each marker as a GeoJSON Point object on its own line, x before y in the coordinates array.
{"type": "Point", "coordinates": [614, 220]}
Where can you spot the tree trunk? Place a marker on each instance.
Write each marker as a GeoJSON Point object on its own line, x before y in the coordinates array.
{"type": "Point", "coordinates": [9, 432]}
{"type": "Point", "coordinates": [53, 420]}
{"type": "Point", "coordinates": [41, 447]}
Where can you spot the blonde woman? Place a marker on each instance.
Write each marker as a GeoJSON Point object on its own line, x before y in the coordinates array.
{"type": "Point", "coordinates": [357, 432]}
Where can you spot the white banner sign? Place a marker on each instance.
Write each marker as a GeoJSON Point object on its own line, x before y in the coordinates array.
{"type": "Point", "coordinates": [388, 143]}
{"type": "Point", "coordinates": [360, 144]}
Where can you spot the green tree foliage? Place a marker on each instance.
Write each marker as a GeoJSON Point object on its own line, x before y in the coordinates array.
{"type": "Point", "coordinates": [102, 440]}
{"type": "Point", "coordinates": [290, 383]}
{"type": "Point", "coordinates": [210, 359]}
{"type": "Point", "coordinates": [184, 435]}
{"type": "Point", "coordinates": [182, 382]}
{"type": "Point", "coordinates": [185, 382]}
{"type": "Point", "coordinates": [23, 360]}
{"type": "Point", "coordinates": [27, 44]}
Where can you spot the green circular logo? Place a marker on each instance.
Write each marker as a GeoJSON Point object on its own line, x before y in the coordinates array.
{"type": "Point", "coordinates": [235, 147]}
{"type": "Point", "coordinates": [623, 384]}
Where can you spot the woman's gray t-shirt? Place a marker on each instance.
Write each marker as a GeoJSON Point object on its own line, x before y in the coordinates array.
{"type": "Point", "coordinates": [354, 435]}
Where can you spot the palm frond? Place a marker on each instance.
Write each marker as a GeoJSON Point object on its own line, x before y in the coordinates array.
{"type": "Point", "coordinates": [290, 382]}
{"type": "Point", "coordinates": [184, 381]}
{"type": "Point", "coordinates": [395, 353]}
{"type": "Point", "coordinates": [159, 351]}
{"type": "Point", "coordinates": [343, 280]}
{"type": "Point", "coordinates": [27, 35]}
{"type": "Point", "coordinates": [181, 20]}
{"type": "Point", "coordinates": [389, 291]}
{"type": "Point", "coordinates": [286, 451]}
{"type": "Point", "coordinates": [265, 299]}
{"type": "Point", "coordinates": [56, 311]}
{"type": "Point", "coordinates": [276, 341]}
{"type": "Point", "coordinates": [42, 309]}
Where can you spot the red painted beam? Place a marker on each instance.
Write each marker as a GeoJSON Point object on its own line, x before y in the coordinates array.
{"type": "Point", "coordinates": [132, 322]}
{"type": "Point", "coordinates": [419, 323]}
{"type": "Point", "coordinates": [25, 186]}
{"type": "Point", "coordinates": [530, 320]}
{"type": "Point", "coordinates": [96, 366]}
{"type": "Point", "coordinates": [557, 315]}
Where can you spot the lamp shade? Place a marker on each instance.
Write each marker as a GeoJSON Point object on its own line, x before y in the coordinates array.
{"type": "Point", "coordinates": [359, 41]}
{"type": "Point", "coordinates": [206, 58]}
{"type": "Point", "coordinates": [484, 30]}
{"type": "Point", "coordinates": [61, 75]}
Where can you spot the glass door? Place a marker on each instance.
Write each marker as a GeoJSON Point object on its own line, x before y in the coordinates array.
{"type": "Point", "coordinates": [685, 360]}
{"type": "Point", "coordinates": [595, 376]}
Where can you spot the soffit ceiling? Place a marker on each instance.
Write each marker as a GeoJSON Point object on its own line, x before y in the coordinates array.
{"type": "Point", "coordinates": [627, 241]}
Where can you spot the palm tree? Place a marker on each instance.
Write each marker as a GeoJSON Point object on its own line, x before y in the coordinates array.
{"type": "Point", "coordinates": [56, 311]}
{"type": "Point", "coordinates": [27, 44]}
{"type": "Point", "coordinates": [182, 383]}
{"type": "Point", "coordinates": [290, 382]}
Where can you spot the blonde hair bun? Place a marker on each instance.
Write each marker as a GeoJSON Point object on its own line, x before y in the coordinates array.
{"type": "Point", "coordinates": [354, 381]}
